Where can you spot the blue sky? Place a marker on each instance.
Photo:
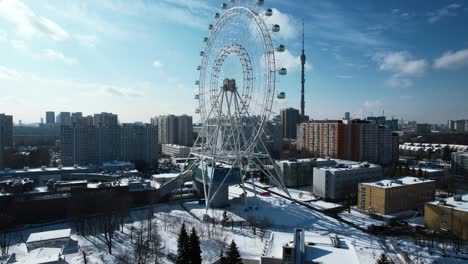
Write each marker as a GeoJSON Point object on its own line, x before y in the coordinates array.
{"type": "Point", "coordinates": [138, 58]}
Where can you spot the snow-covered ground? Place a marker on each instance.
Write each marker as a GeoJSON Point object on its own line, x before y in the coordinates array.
{"type": "Point", "coordinates": [283, 215]}
{"type": "Point", "coordinates": [360, 219]}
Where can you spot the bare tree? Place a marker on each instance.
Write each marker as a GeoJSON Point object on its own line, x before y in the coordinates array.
{"type": "Point", "coordinates": [5, 238]}
{"type": "Point", "coordinates": [253, 223]}
{"type": "Point", "coordinates": [85, 259]}
{"type": "Point", "coordinates": [264, 225]}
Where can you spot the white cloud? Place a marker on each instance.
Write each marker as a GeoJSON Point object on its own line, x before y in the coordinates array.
{"type": "Point", "coordinates": [28, 23]}
{"type": "Point", "coordinates": [86, 40]}
{"type": "Point", "coordinates": [344, 76]}
{"type": "Point", "coordinates": [450, 60]}
{"type": "Point", "coordinates": [368, 104]}
{"type": "Point", "coordinates": [58, 56]}
{"type": "Point", "coordinates": [398, 82]}
{"type": "Point", "coordinates": [402, 67]}
{"type": "Point", "coordinates": [290, 62]}
{"type": "Point", "coordinates": [18, 44]}
{"type": "Point", "coordinates": [2, 35]}
{"type": "Point", "coordinates": [119, 91]}
{"type": "Point", "coordinates": [157, 64]}
{"type": "Point", "coordinates": [9, 74]}
{"type": "Point", "coordinates": [449, 10]}
{"type": "Point", "coordinates": [401, 64]}
{"type": "Point", "coordinates": [287, 27]}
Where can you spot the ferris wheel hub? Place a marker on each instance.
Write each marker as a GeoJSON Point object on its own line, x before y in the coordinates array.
{"type": "Point", "coordinates": [229, 85]}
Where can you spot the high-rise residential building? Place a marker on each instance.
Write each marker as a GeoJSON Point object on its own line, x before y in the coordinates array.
{"type": "Point", "coordinates": [64, 118]}
{"type": "Point", "coordinates": [381, 120]}
{"type": "Point", "coordinates": [460, 171]}
{"type": "Point", "coordinates": [50, 117]}
{"type": "Point", "coordinates": [423, 128]}
{"type": "Point", "coordinates": [451, 125]}
{"type": "Point", "coordinates": [174, 129]}
{"type": "Point", "coordinates": [273, 138]}
{"type": "Point", "coordinates": [185, 130]}
{"type": "Point", "coordinates": [79, 145]}
{"type": "Point", "coordinates": [392, 124]}
{"type": "Point", "coordinates": [460, 126]}
{"type": "Point", "coordinates": [105, 120]}
{"type": "Point", "coordinates": [101, 139]}
{"type": "Point", "coordinates": [290, 118]}
{"type": "Point", "coordinates": [355, 140]}
{"type": "Point", "coordinates": [6, 136]}
{"type": "Point", "coordinates": [325, 138]}
{"type": "Point", "coordinates": [140, 142]}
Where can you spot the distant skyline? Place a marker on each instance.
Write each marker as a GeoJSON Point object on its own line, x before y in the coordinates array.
{"type": "Point", "coordinates": [138, 58]}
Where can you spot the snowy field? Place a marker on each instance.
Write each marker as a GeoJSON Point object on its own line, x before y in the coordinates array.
{"type": "Point", "coordinates": [360, 219]}
{"type": "Point", "coordinates": [282, 216]}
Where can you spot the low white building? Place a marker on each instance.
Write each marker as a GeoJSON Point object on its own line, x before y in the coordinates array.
{"type": "Point", "coordinates": [340, 181]}
{"type": "Point", "coordinates": [42, 256]}
{"type": "Point", "coordinates": [175, 151]}
{"type": "Point", "coordinates": [49, 239]}
{"type": "Point", "coordinates": [308, 247]}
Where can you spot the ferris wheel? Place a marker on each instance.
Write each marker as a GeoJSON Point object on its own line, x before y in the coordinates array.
{"type": "Point", "coordinates": [236, 92]}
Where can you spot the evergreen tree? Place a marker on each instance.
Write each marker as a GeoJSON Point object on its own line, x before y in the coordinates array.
{"type": "Point", "coordinates": [383, 259]}
{"type": "Point", "coordinates": [222, 258]}
{"type": "Point", "coordinates": [195, 251]}
{"type": "Point", "coordinates": [183, 247]}
{"type": "Point", "coordinates": [233, 255]}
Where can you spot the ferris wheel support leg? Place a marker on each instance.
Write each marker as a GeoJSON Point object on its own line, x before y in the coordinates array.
{"type": "Point", "coordinates": [253, 183]}
{"type": "Point", "coordinates": [281, 184]}
{"type": "Point", "coordinates": [223, 181]}
{"type": "Point", "coordinates": [214, 151]}
{"type": "Point", "coordinates": [237, 129]}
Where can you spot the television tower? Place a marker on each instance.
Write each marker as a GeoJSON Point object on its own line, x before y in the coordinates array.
{"type": "Point", "coordinates": [303, 61]}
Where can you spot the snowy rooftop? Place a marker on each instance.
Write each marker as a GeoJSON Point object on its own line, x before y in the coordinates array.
{"type": "Point", "coordinates": [318, 248]}
{"type": "Point", "coordinates": [349, 166]}
{"type": "Point", "coordinates": [48, 169]}
{"type": "Point", "coordinates": [49, 235]}
{"type": "Point", "coordinates": [176, 146]}
{"type": "Point", "coordinates": [393, 183]}
{"type": "Point", "coordinates": [117, 163]}
{"type": "Point", "coordinates": [461, 205]}
{"type": "Point", "coordinates": [304, 160]}
{"type": "Point", "coordinates": [428, 169]}
{"type": "Point", "coordinates": [165, 175]}
{"type": "Point", "coordinates": [41, 255]}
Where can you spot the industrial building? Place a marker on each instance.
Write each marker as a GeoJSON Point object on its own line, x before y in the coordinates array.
{"type": "Point", "coordinates": [340, 181]}
{"type": "Point", "coordinates": [450, 215]}
{"type": "Point", "coordinates": [395, 195]}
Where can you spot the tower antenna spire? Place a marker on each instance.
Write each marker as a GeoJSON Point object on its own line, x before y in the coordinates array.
{"type": "Point", "coordinates": [303, 61]}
